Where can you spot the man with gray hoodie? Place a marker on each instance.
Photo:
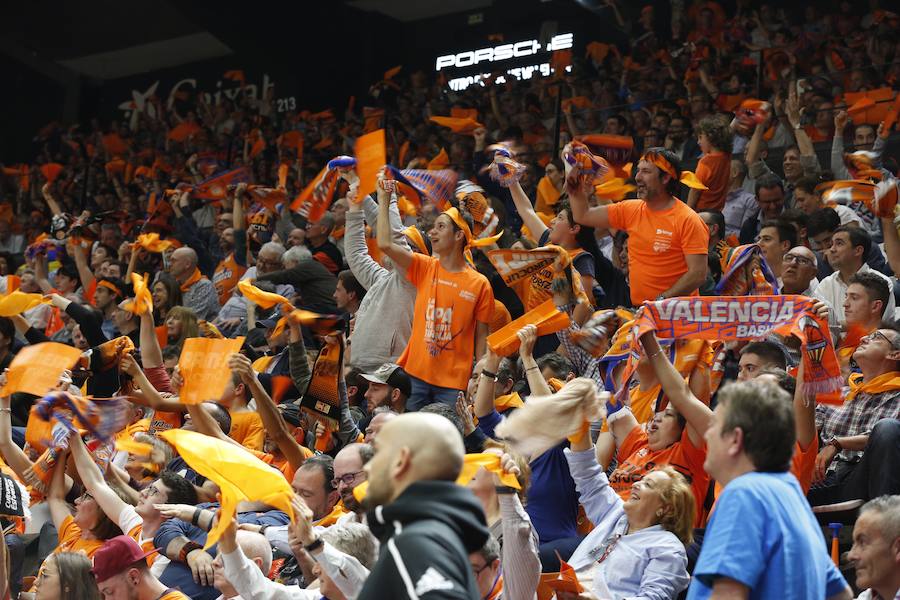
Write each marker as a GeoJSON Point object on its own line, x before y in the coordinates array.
{"type": "Point", "coordinates": [390, 297]}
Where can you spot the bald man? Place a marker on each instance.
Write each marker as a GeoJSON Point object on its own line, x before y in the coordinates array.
{"type": "Point", "coordinates": [197, 292]}
{"type": "Point", "coordinates": [798, 271]}
{"type": "Point", "coordinates": [427, 525]}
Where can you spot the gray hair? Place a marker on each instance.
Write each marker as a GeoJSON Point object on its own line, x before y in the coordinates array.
{"type": "Point", "coordinates": [295, 254]}
{"type": "Point", "coordinates": [273, 247]}
{"type": "Point", "coordinates": [888, 508]}
{"type": "Point", "coordinates": [354, 539]}
{"type": "Point", "coordinates": [491, 550]}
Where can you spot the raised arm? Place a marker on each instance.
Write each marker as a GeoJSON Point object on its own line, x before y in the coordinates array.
{"type": "Point", "coordinates": [151, 353]}
{"type": "Point", "coordinates": [526, 211]}
{"type": "Point", "coordinates": [484, 397]}
{"type": "Point", "coordinates": [56, 493]}
{"type": "Point", "coordinates": [84, 270]}
{"type": "Point", "coordinates": [792, 109]}
{"type": "Point", "coordinates": [93, 480]}
{"type": "Point", "coordinates": [272, 420]}
{"type": "Point", "coordinates": [401, 256]}
{"type": "Point", "coordinates": [677, 390]}
{"type": "Point", "coordinates": [17, 460]}
{"type": "Point", "coordinates": [891, 243]}
{"type": "Point", "coordinates": [527, 340]}
{"type": "Point", "coordinates": [149, 395]}
{"type": "Point", "coordinates": [597, 216]}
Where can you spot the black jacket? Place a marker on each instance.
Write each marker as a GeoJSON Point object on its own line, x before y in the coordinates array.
{"type": "Point", "coordinates": [426, 537]}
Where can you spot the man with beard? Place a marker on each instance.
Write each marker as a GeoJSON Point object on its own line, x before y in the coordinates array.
{"type": "Point", "coordinates": [349, 472]}
{"type": "Point", "coordinates": [427, 525]}
{"type": "Point", "coordinates": [668, 242]}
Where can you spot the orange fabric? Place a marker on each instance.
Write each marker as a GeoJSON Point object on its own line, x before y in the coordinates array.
{"type": "Point", "coordinates": [441, 161]}
{"type": "Point", "coordinates": [448, 306]}
{"type": "Point", "coordinates": [194, 278]}
{"type": "Point", "coordinates": [504, 403]}
{"type": "Point", "coordinates": [247, 429]}
{"type": "Point", "coordinates": [463, 113]}
{"type": "Point", "coordinates": [183, 131]}
{"type": "Point", "coordinates": [259, 297]}
{"type": "Point", "coordinates": [204, 366]}
{"type": "Point", "coordinates": [152, 243]}
{"type": "Point", "coordinates": [545, 316]}
{"type": "Point", "coordinates": [462, 126]}
{"type": "Point", "coordinates": [36, 369]}
{"type": "Point", "coordinates": [869, 107]}
{"type": "Point", "coordinates": [491, 462]}
{"type": "Point", "coordinates": [547, 196]}
{"type": "Point", "coordinates": [226, 277]}
{"type": "Point", "coordinates": [331, 518]}
{"type": "Point", "coordinates": [500, 317]}
{"type": "Point", "coordinates": [70, 539]}
{"type": "Point", "coordinates": [714, 170]}
{"type": "Point", "coordinates": [114, 144]}
{"type": "Point", "coordinates": [51, 171]}
{"type": "Point", "coordinates": [16, 302]}
{"type": "Point", "coordinates": [530, 273]}
{"type": "Point", "coordinates": [370, 157]}
{"type": "Point", "coordinates": [803, 463]}
{"type": "Point", "coordinates": [568, 580]}
{"type": "Point", "coordinates": [687, 177]}
{"type": "Point", "coordinates": [163, 421]}
{"type": "Point", "coordinates": [657, 244]}
{"type": "Point", "coordinates": [143, 300]}
{"type": "Point", "coordinates": [174, 595]}
{"type": "Point", "coordinates": [636, 459]}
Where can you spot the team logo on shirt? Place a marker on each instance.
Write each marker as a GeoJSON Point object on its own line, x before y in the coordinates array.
{"type": "Point", "coordinates": [438, 334]}
{"type": "Point", "coordinates": [662, 241]}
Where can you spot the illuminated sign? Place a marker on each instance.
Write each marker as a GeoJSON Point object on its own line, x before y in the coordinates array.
{"type": "Point", "coordinates": [470, 58]}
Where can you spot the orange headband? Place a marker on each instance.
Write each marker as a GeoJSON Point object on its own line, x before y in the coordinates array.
{"type": "Point", "coordinates": [456, 217]}
{"type": "Point", "coordinates": [687, 177]}
{"type": "Point", "coordinates": [110, 287]}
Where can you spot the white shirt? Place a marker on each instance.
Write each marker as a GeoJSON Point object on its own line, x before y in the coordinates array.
{"type": "Point", "coordinates": [872, 595]}
{"type": "Point", "coordinates": [833, 290]}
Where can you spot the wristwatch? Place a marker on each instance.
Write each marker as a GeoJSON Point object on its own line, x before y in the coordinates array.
{"type": "Point", "coordinates": [834, 442]}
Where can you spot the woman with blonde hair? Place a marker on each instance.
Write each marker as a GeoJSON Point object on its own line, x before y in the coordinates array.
{"type": "Point", "coordinates": [637, 546]}
{"type": "Point", "coordinates": [181, 324]}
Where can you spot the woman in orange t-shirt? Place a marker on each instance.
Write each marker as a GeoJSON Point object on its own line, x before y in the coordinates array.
{"type": "Point", "coordinates": [453, 309]}
{"type": "Point", "coordinates": [673, 437]}
{"type": "Point", "coordinates": [714, 169]}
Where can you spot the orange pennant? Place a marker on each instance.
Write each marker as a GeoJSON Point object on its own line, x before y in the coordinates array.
{"type": "Point", "coordinates": [204, 366]}
{"type": "Point", "coordinates": [370, 158]}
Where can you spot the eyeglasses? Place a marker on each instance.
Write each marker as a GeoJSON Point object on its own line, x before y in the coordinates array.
{"type": "Point", "coordinates": [346, 479]}
{"type": "Point", "coordinates": [877, 334]}
{"type": "Point", "coordinates": [800, 260]}
{"type": "Point", "coordinates": [478, 571]}
{"type": "Point", "coordinates": [85, 496]}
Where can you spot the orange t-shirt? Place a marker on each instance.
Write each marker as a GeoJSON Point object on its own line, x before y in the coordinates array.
{"type": "Point", "coordinates": [226, 277]}
{"type": "Point", "coordinates": [448, 305]}
{"type": "Point", "coordinates": [132, 525]}
{"type": "Point", "coordinates": [714, 170]}
{"type": "Point", "coordinates": [174, 595]}
{"type": "Point", "coordinates": [247, 429]}
{"type": "Point", "coordinates": [636, 459]}
{"type": "Point", "coordinates": [658, 241]}
{"type": "Point", "coordinates": [70, 539]}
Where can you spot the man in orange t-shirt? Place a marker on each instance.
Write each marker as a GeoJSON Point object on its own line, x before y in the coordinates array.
{"type": "Point", "coordinates": [453, 309]}
{"type": "Point", "coordinates": [667, 241]}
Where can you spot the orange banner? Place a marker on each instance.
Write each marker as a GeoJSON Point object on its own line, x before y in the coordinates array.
{"type": "Point", "coordinates": [546, 317]}
{"type": "Point", "coordinates": [204, 367]}
{"type": "Point", "coordinates": [370, 158]}
{"type": "Point", "coordinates": [36, 369]}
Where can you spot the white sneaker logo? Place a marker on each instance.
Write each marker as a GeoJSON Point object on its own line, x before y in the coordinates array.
{"type": "Point", "coordinates": [432, 580]}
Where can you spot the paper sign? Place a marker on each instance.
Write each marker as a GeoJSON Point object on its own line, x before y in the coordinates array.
{"type": "Point", "coordinates": [204, 367]}
{"type": "Point", "coordinates": [36, 369]}
{"type": "Point", "coordinates": [370, 158]}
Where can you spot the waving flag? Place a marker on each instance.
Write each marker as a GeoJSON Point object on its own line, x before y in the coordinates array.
{"type": "Point", "coordinates": [215, 188]}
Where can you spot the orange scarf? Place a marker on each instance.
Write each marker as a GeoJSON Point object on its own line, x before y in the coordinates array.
{"type": "Point", "coordinates": [726, 318]}
{"type": "Point", "coordinates": [194, 278]}
{"type": "Point", "coordinates": [504, 403]}
{"type": "Point", "coordinates": [332, 517]}
{"type": "Point", "coordinates": [885, 382]}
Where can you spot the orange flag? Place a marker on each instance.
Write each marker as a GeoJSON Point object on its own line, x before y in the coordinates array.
{"type": "Point", "coordinates": [204, 366]}
{"type": "Point", "coordinates": [370, 157]}
{"type": "Point", "coordinates": [143, 301]}
{"type": "Point", "coordinates": [546, 317]}
{"type": "Point", "coordinates": [151, 243]}
{"type": "Point", "coordinates": [36, 369]}
{"type": "Point", "coordinates": [240, 475]}
{"type": "Point", "coordinates": [464, 126]}
{"type": "Point", "coordinates": [51, 171]}
{"type": "Point", "coordinates": [183, 131]}
{"type": "Point", "coordinates": [464, 113]}
{"type": "Point", "coordinates": [491, 462]}
{"type": "Point", "coordinates": [16, 302]}
{"type": "Point", "coordinates": [257, 296]}
{"type": "Point", "coordinates": [568, 580]}
{"type": "Point", "coordinates": [441, 161]}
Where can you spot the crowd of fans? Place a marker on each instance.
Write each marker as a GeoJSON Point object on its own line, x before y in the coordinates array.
{"type": "Point", "coordinates": [127, 240]}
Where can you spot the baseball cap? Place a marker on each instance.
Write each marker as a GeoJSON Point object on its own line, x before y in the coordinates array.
{"type": "Point", "coordinates": [116, 555]}
{"type": "Point", "coordinates": [391, 374]}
